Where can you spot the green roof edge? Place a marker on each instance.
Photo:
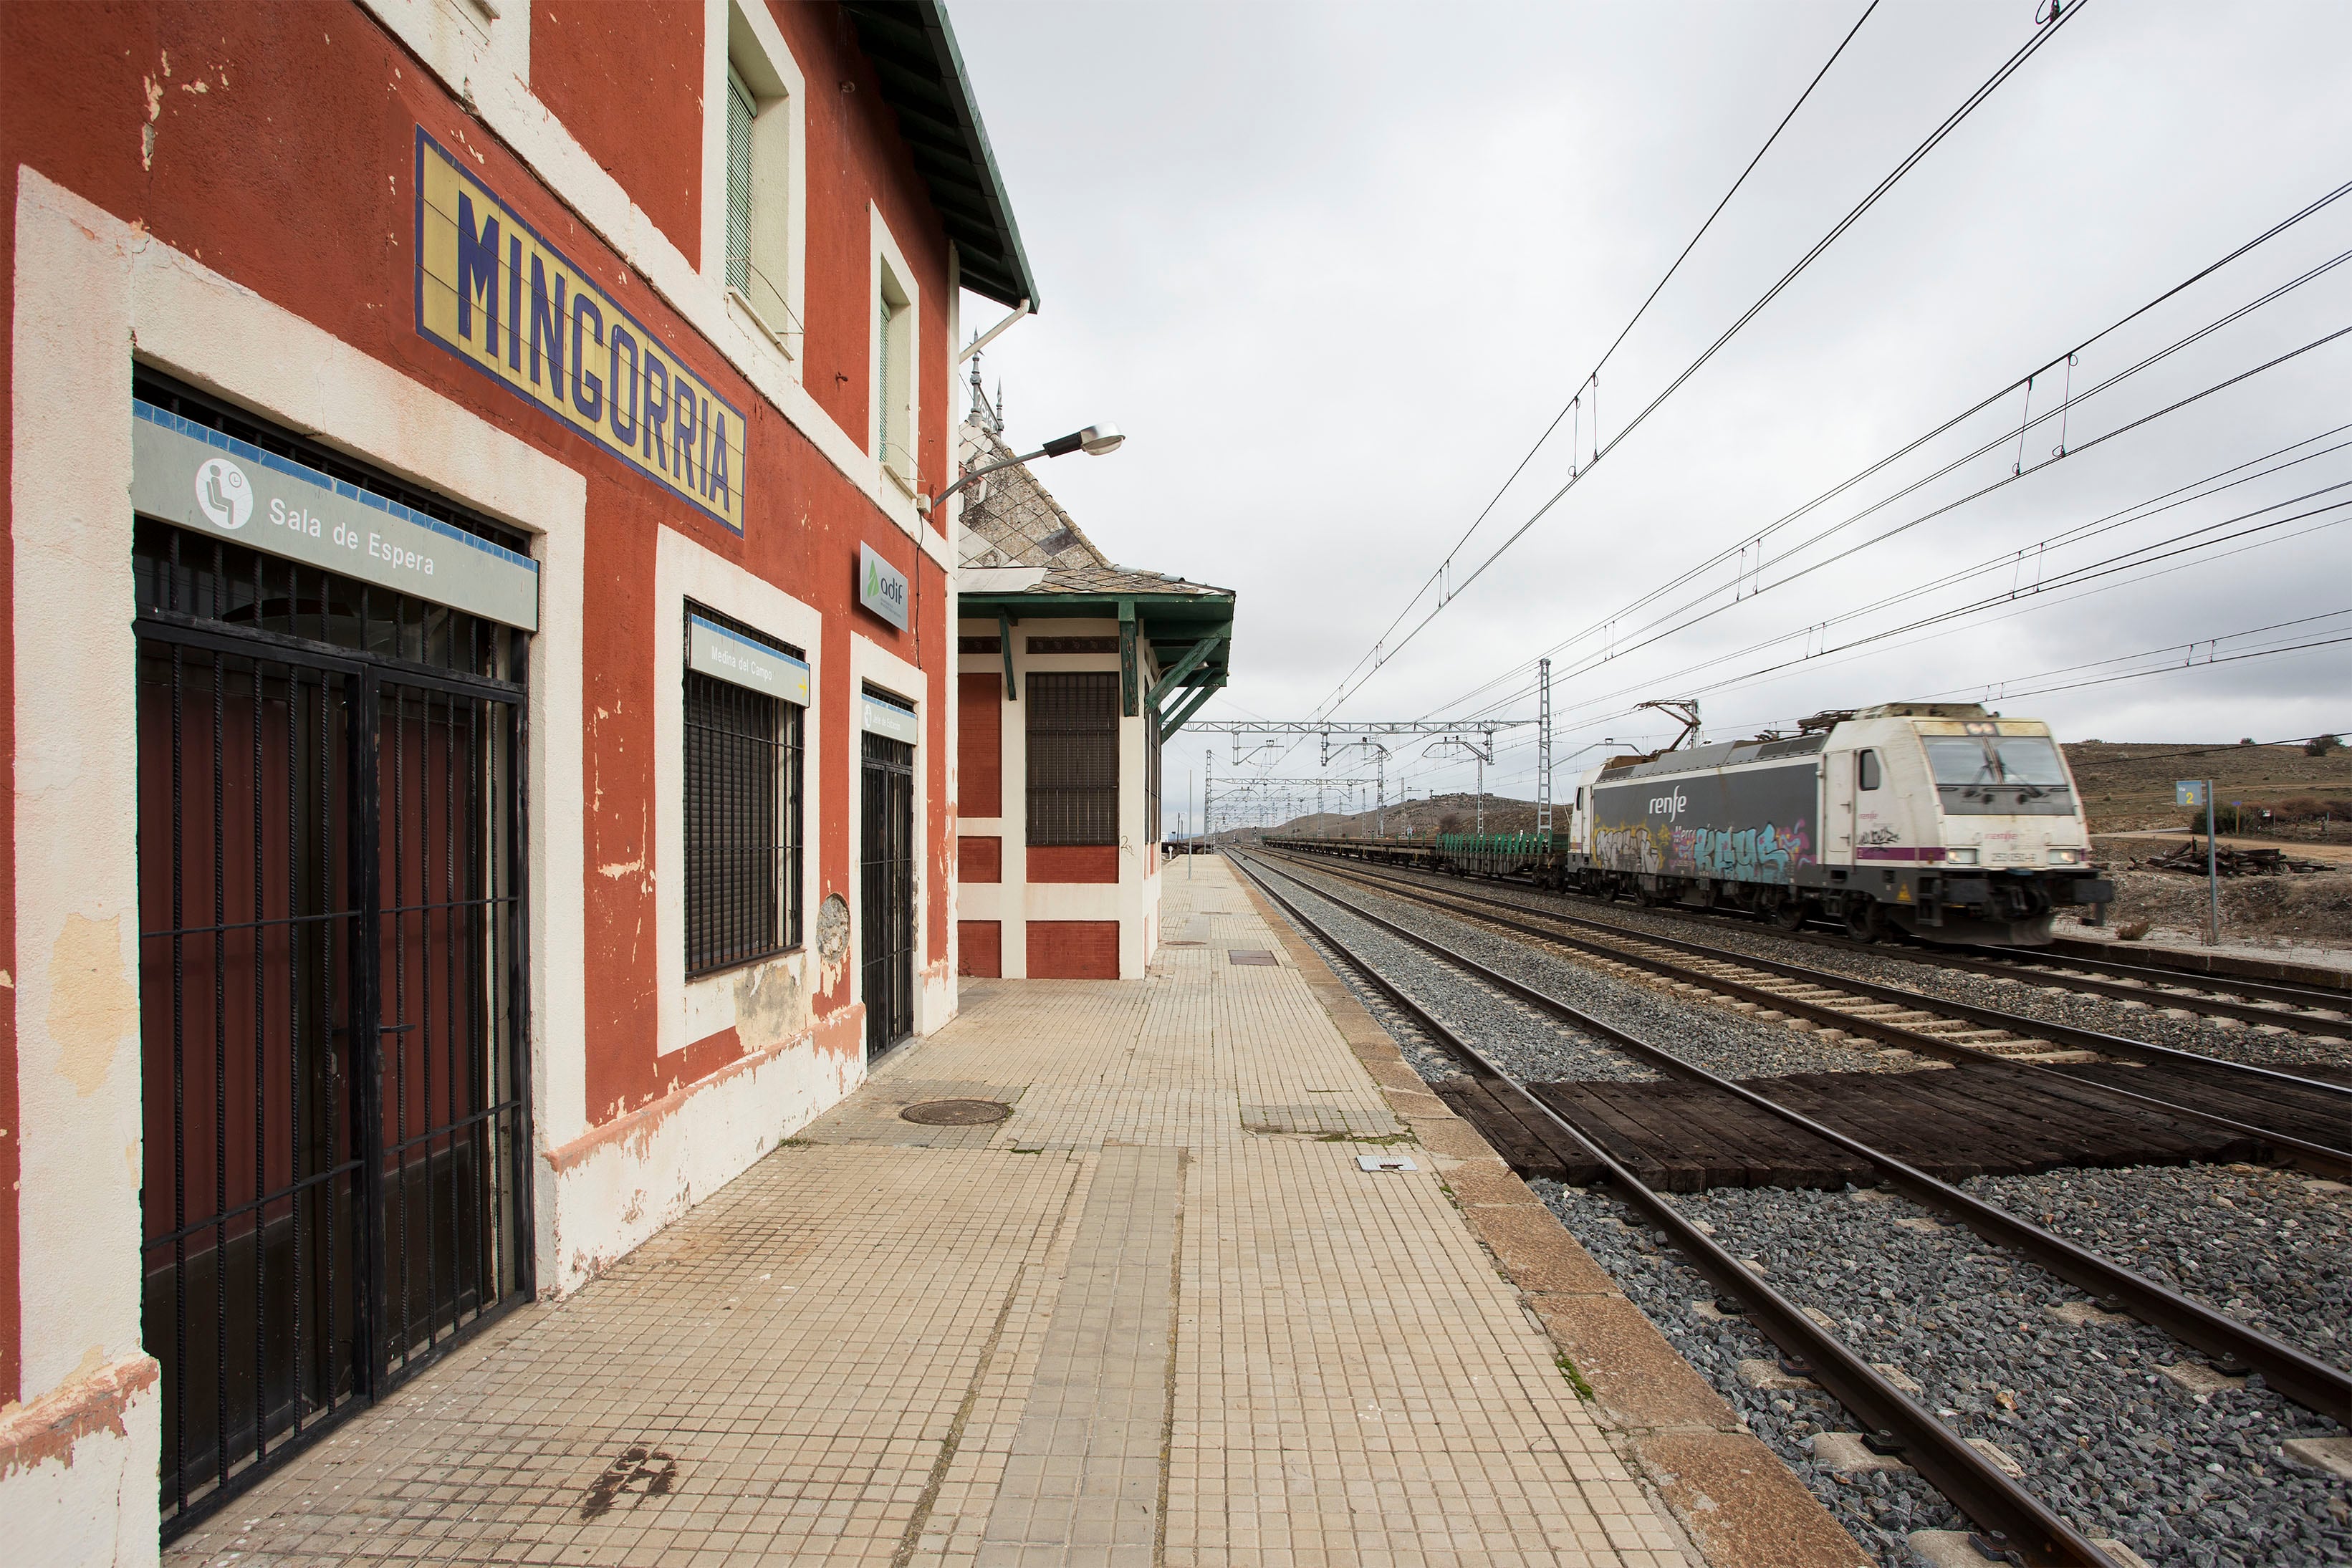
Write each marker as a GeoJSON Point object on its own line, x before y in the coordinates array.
{"type": "Point", "coordinates": [932, 17]}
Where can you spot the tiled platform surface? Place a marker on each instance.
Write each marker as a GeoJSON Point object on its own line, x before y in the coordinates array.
{"type": "Point", "coordinates": [1122, 1327]}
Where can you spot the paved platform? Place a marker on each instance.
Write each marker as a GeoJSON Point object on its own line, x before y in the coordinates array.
{"type": "Point", "coordinates": [1159, 1315]}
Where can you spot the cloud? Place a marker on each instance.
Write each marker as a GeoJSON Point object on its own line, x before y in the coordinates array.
{"type": "Point", "coordinates": [1334, 268]}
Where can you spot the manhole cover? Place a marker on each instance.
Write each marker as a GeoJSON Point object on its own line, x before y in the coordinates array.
{"type": "Point", "coordinates": [956, 1112]}
{"type": "Point", "coordinates": [1253, 956]}
{"type": "Point", "coordinates": [1172, 943]}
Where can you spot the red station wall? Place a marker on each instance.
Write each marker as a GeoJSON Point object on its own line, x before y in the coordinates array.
{"type": "Point", "coordinates": [1074, 949]}
{"type": "Point", "coordinates": [626, 81]}
{"type": "Point", "coordinates": [980, 745]}
{"type": "Point", "coordinates": [292, 173]}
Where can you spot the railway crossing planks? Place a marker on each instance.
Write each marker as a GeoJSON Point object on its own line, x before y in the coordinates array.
{"type": "Point", "coordinates": [1952, 1123]}
{"type": "Point", "coordinates": [1529, 1141]}
{"type": "Point", "coordinates": [1714, 1142]}
{"type": "Point", "coordinates": [2311, 1114]}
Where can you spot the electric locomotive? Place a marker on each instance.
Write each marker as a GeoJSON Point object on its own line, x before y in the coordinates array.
{"type": "Point", "coordinates": [1952, 823]}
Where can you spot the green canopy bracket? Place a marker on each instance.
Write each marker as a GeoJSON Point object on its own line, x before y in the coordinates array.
{"type": "Point", "coordinates": [1188, 663]}
{"type": "Point", "coordinates": [1200, 696]}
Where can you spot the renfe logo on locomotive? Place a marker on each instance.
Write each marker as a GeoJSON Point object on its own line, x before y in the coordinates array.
{"type": "Point", "coordinates": [1668, 806]}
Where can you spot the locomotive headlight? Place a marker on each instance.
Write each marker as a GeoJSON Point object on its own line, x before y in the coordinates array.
{"type": "Point", "coordinates": [1961, 857]}
{"type": "Point", "coordinates": [2066, 857]}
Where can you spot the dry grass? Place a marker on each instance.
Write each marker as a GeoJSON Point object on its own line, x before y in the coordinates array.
{"type": "Point", "coordinates": [2314, 907]}
{"type": "Point", "coordinates": [2128, 787]}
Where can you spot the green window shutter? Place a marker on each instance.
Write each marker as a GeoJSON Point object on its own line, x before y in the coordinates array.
{"type": "Point", "coordinates": [882, 380]}
{"type": "Point", "coordinates": [738, 184]}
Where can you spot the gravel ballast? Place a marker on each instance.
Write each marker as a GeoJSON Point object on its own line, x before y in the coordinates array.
{"type": "Point", "coordinates": [2108, 1439]}
{"type": "Point", "coordinates": [2104, 1438]}
{"type": "Point", "coordinates": [1524, 1041]}
{"type": "Point", "coordinates": [2028, 996]}
{"type": "Point", "coordinates": [1709, 1036]}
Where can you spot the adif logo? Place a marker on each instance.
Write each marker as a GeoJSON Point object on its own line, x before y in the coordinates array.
{"type": "Point", "coordinates": [222, 495]}
{"type": "Point", "coordinates": [1668, 806]}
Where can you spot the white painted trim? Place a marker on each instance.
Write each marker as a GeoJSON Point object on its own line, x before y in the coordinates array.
{"type": "Point", "coordinates": [869, 662]}
{"type": "Point", "coordinates": [86, 281]}
{"type": "Point", "coordinates": [948, 420]}
{"type": "Point", "coordinates": [684, 569]}
{"type": "Point", "coordinates": [885, 257]}
{"type": "Point", "coordinates": [749, 39]}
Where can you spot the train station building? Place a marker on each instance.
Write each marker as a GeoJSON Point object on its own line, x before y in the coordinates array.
{"type": "Point", "coordinates": [1072, 674]}
{"type": "Point", "coordinates": [480, 667]}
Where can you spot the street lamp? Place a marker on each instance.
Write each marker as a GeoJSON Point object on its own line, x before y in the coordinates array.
{"type": "Point", "coordinates": [1095, 440]}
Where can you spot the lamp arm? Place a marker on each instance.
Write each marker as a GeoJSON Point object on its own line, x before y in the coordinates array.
{"type": "Point", "coordinates": [983, 473]}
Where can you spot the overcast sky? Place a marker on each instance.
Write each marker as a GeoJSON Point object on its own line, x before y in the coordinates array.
{"type": "Point", "coordinates": [1334, 268]}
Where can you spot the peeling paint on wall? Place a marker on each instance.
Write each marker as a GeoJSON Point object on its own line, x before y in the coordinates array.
{"type": "Point", "coordinates": [93, 1006]}
{"type": "Point", "coordinates": [93, 1403]}
{"type": "Point", "coordinates": [768, 1006]}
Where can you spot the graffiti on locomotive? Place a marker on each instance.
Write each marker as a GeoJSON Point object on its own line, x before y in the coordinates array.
{"type": "Point", "coordinates": [1754, 825]}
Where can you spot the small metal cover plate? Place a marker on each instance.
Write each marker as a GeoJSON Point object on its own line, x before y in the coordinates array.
{"type": "Point", "coordinates": [956, 1112]}
{"type": "Point", "coordinates": [1384, 1162]}
{"type": "Point", "coordinates": [1253, 956]}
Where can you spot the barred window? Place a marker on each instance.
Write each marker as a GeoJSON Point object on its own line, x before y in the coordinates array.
{"type": "Point", "coordinates": [743, 830]}
{"type": "Point", "coordinates": [1072, 727]}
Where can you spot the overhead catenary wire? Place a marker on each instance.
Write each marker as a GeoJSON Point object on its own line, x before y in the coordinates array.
{"type": "Point", "coordinates": [2016, 685]}
{"type": "Point", "coordinates": [1875, 646]}
{"type": "Point", "coordinates": [1619, 645]}
{"type": "Point", "coordinates": [2040, 550]}
{"type": "Point", "coordinates": [2048, 594]}
{"type": "Point", "coordinates": [1754, 540]}
{"type": "Point", "coordinates": [1382, 653]}
{"type": "Point", "coordinates": [1572, 409]}
{"type": "Point", "coordinates": [2214, 656]}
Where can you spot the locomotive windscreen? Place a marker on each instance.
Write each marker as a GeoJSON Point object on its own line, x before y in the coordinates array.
{"type": "Point", "coordinates": [1754, 824]}
{"type": "Point", "coordinates": [2013, 775]}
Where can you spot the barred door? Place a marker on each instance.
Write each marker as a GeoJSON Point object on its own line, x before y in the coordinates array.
{"type": "Point", "coordinates": [331, 993]}
{"type": "Point", "coordinates": [888, 887]}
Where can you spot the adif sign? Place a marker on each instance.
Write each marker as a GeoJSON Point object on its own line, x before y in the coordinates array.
{"type": "Point", "coordinates": [881, 587]}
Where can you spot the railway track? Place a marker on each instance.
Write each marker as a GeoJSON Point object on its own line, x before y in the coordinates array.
{"type": "Point", "coordinates": [2309, 1009]}
{"type": "Point", "coordinates": [2301, 1118]}
{"type": "Point", "coordinates": [2016, 1524]}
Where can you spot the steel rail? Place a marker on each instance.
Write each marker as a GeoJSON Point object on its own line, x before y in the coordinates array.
{"type": "Point", "coordinates": [2319, 1158]}
{"type": "Point", "coordinates": [1931, 956]}
{"type": "Point", "coordinates": [2011, 1516]}
{"type": "Point", "coordinates": [2309, 1381]}
{"type": "Point", "coordinates": [2022, 960]}
{"type": "Point", "coordinates": [2201, 999]}
{"type": "Point", "coordinates": [2021, 963]}
{"type": "Point", "coordinates": [2060, 1033]}
{"type": "Point", "coordinates": [2165, 975]}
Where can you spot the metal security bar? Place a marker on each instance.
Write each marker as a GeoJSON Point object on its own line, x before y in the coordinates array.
{"type": "Point", "coordinates": [332, 991]}
{"type": "Point", "coordinates": [1073, 732]}
{"type": "Point", "coordinates": [742, 811]}
{"type": "Point", "coordinates": [888, 886]}
{"type": "Point", "coordinates": [448, 1075]}
{"type": "Point", "coordinates": [253, 1228]}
